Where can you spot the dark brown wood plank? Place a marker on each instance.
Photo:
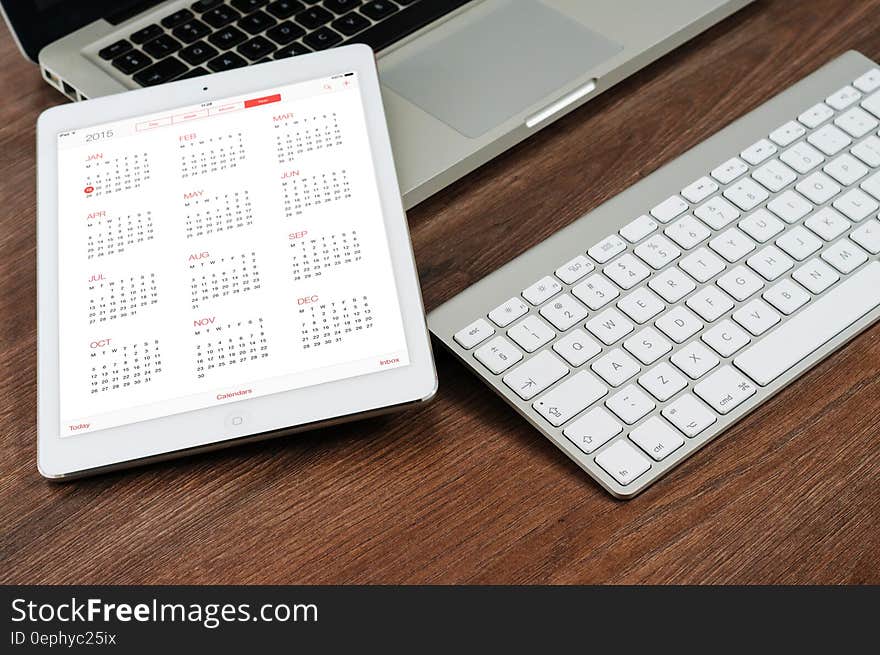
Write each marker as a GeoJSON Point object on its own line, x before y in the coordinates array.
{"type": "Point", "coordinates": [462, 490]}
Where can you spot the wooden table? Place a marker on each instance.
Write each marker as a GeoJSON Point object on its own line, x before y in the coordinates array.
{"type": "Point", "coordinates": [462, 490]}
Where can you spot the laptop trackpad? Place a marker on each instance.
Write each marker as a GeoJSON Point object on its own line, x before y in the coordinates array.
{"type": "Point", "coordinates": [506, 56]}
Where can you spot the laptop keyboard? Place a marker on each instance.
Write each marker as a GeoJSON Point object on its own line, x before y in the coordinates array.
{"type": "Point", "coordinates": [217, 35]}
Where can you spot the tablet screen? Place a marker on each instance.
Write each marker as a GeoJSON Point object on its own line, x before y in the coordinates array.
{"type": "Point", "coordinates": [220, 252]}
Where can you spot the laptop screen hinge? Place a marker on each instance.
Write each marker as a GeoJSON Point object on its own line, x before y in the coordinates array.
{"type": "Point", "coordinates": [125, 10]}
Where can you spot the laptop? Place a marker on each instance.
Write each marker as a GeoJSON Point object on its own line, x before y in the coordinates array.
{"type": "Point", "coordinates": [462, 81]}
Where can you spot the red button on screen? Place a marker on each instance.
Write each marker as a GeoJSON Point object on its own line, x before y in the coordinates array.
{"type": "Point", "coordinates": [265, 100]}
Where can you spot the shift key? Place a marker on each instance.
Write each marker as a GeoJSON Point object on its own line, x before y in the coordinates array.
{"type": "Point", "coordinates": [725, 389]}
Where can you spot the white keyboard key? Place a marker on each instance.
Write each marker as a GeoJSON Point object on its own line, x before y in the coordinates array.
{"type": "Point", "coordinates": [856, 122]}
{"type": "Point", "coordinates": [710, 303]}
{"type": "Point", "coordinates": [829, 139]}
{"type": "Point", "coordinates": [630, 404]}
{"type": "Point", "coordinates": [816, 115]}
{"type": "Point", "coordinates": [536, 374]}
{"type": "Point", "coordinates": [827, 224]}
{"type": "Point", "coordinates": [689, 415]}
{"type": "Point", "coordinates": [757, 317]}
{"type": "Point", "coordinates": [868, 236]}
{"type": "Point", "coordinates": [732, 244]}
{"type": "Point", "coordinates": [507, 313]}
{"type": "Point", "coordinates": [816, 276]}
{"type": "Point", "coordinates": [786, 296]}
{"type": "Point", "coordinates": [570, 398]}
{"type": "Point", "coordinates": [648, 345]}
{"type": "Point", "coordinates": [610, 326]}
{"type": "Point", "coordinates": [868, 81]}
{"type": "Point", "coordinates": [787, 134]}
{"type": "Point", "coordinates": [663, 381]}
{"type": "Point", "coordinates": [761, 225]}
{"type": "Point", "coordinates": [593, 430]}
{"type": "Point", "coordinates": [577, 347]}
{"type": "Point", "coordinates": [641, 305]}
{"type": "Point", "coordinates": [626, 271]}
{"type": "Point", "coordinates": [657, 251]}
{"type": "Point", "coordinates": [596, 291]}
{"type": "Point", "coordinates": [616, 367]}
{"type": "Point", "coordinates": [638, 229]}
{"type": "Point", "coordinates": [657, 438]}
{"type": "Point", "coordinates": [846, 169]}
{"type": "Point", "coordinates": [672, 284]}
{"type": "Point", "coordinates": [758, 152]}
{"type": "Point", "coordinates": [746, 194]}
{"type": "Point", "coordinates": [695, 360]}
{"type": "Point", "coordinates": [574, 269]}
{"type": "Point", "coordinates": [790, 206]}
{"type": "Point", "coordinates": [774, 175]}
{"type": "Point", "coordinates": [813, 327]}
{"type": "Point", "coordinates": [872, 185]}
{"type": "Point", "coordinates": [729, 170]}
{"type": "Point", "coordinates": [770, 263]}
{"type": "Point", "coordinates": [607, 248]}
{"type": "Point", "coordinates": [845, 256]}
{"type": "Point", "coordinates": [687, 232]}
{"type": "Point", "coordinates": [531, 333]}
{"type": "Point", "coordinates": [843, 98]}
{"type": "Point", "coordinates": [856, 205]}
{"type": "Point", "coordinates": [818, 187]}
{"type": "Point", "coordinates": [563, 312]}
{"type": "Point", "coordinates": [740, 283]}
{"type": "Point", "coordinates": [716, 212]}
{"type": "Point", "coordinates": [702, 265]}
{"type": "Point", "coordinates": [475, 333]}
{"type": "Point", "coordinates": [868, 151]}
{"type": "Point", "coordinates": [725, 389]}
{"type": "Point", "coordinates": [542, 290]}
{"type": "Point", "coordinates": [669, 209]}
{"type": "Point", "coordinates": [726, 338]}
{"type": "Point", "coordinates": [872, 103]}
{"type": "Point", "coordinates": [802, 157]}
{"type": "Point", "coordinates": [679, 324]}
{"type": "Point", "coordinates": [498, 355]}
{"type": "Point", "coordinates": [699, 190]}
{"type": "Point", "coordinates": [623, 462]}
{"type": "Point", "coordinates": [799, 243]}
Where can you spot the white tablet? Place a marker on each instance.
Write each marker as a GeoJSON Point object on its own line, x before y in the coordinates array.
{"type": "Point", "coordinates": [220, 259]}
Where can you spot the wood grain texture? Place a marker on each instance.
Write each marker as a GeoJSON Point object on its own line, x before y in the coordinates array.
{"type": "Point", "coordinates": [461, 490]}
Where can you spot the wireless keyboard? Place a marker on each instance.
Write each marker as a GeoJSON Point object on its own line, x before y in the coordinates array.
{"type": "Point", "coordinates": [643, 330]}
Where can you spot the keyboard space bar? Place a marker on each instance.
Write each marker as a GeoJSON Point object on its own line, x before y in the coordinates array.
{"type": "Point", "coordinates": [813, 327]}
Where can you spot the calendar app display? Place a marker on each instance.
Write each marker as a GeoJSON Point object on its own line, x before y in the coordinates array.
{"type": "Point", "coordinates": [220, 252]}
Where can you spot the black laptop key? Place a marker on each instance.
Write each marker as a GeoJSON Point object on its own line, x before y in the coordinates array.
{"type": "Point", "coordinates": [226, 61]}
{"type": "Point", "coordinates": [197, 53]}
{"type": "Point", "coordinates": [378, 9]}
{"type": "Point", "coordinates": [257, 48]}
{"type": "Point", "coordinates": [351, 23]}
{"type": "Point", "coordinates": [228, 37]}
{"type": "Point", "coordinates": [341, 6]}
{"type": "Point", "coordinates": [205, 5]}
{"type": "Point", "coordinates": [245, 6]}
{"type": "Point", "coordinates": [132, 61]}
{"type": "Point", "coordinates": [160, 72]}
{"type": "Point", "coordinates": [256, 22]}
{"type": "Point", "coordinates": [284, 33]}
{"type": "Point", "coordinates": [403, 23]}
{"type": "Point", "coordinates": [405, 2]}
{"type": "Point", "coordinates": [191, 31]}
{"type": "Point", "coordinates": [220, 16]}
{"type": "Point", "coordinates": [177, 18]}
{"type": "Point", "coordinates": [145, 34]}
{"type": "Point", "coordinates": [291, 51]}
{"type": "Point", "coordinates": [285, 8]}
{"type": "Point", "coordinates": [322, 38]}
{"type": "Point", "coordinates": [114, 49]}
{"type": "Point", "coordinates": [194, 72]}
{"type": "Point", "coordinates": [162, 46]}
{"type": "Point", "coordinates": [314, 17]}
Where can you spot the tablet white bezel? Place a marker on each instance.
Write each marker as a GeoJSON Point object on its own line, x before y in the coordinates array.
{"type": "Point", "coordinates": [59, 457]}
